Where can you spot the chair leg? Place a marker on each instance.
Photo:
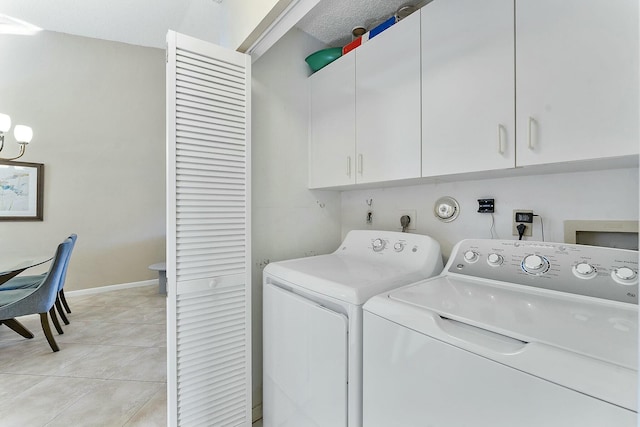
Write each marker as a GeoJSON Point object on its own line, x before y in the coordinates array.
{"type": "Point", "coordinates": [44, 321]}
{"type": "Point", "coordinates": [55, 321]}
{"type": "Point", "coordinates": [64, 301]}
{"type": "Point", "coordinates": [18, 327]}
{"type": "Point", "coordinates": [61, 312]}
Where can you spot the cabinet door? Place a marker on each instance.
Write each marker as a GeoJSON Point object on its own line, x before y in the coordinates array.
{"type": "Point", "coordinates": [576, 79]}
{"type": "Point", "coordinates": [388, 104]}
{"type": "Point", "coordinates": [332, 124]}
{"type": "Point", "coordinates": [467, 86]}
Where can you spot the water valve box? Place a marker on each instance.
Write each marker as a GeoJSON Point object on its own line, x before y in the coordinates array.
{"type": "Point", "coordinates": [486, 205]}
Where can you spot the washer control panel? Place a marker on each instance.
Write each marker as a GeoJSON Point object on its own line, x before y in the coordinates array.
{"type": "Point", "coordinates": [585, 270]}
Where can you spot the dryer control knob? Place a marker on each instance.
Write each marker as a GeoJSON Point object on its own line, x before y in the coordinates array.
{"type": "Point", "coordinates": [471, 256]}
{"type": "Point", "coordinates": [625, 276]}
{"type": "Point", "coordinates": [584, 270]}
{"type": "Point", "coordinates": [534, 264]}
{"type": "Point", "coordinates": [495, 260]}
{"type": "Point", "coordinates": [378, 245]}
{"type": "Point", "coordinates": [398, 247]}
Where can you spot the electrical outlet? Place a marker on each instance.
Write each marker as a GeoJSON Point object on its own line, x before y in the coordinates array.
{"type": "Point", "coordinates": [522, 216]}
{"type": "Point", "coordinates": [412, 215]}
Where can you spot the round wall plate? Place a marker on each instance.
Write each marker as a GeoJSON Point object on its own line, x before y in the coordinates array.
{"type": "Point", "coordinates": [446, 209]}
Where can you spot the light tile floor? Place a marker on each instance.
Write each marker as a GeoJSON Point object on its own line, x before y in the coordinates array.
{"type": "Point", "coordinates": [110, 370]}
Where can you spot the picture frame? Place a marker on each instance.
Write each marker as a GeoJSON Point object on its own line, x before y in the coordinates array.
{"type": "Point", "coordinates": [21, 191]}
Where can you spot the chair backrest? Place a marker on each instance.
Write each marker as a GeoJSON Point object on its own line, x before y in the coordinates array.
{"type": "Point", "coordinates": [42, 298]}
{"type": "Point", "coordinates": [54, 276]}
{"type": "Point", "coordinates": [73, 238]}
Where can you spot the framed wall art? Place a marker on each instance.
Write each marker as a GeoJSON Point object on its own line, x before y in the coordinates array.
{"type": "Point", "coordinates": [21, 191]}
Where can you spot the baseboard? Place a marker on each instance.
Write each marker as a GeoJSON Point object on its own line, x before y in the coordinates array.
{"type": "Point", "coordinates": [109, 288]}
{"type": "Point", "coordinates": [256, 413]}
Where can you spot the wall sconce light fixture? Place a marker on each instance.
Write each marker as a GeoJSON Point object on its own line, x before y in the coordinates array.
{"type": "Point", "coordinates": [22, 133]}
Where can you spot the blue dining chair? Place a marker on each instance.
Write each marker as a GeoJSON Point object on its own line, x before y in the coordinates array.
{"type": "Point", "coordinates": [27, 282]}
{"type": "Point", "coordinates": [61, 298]}
{"type": "Point", "coordinates": [41, 299]}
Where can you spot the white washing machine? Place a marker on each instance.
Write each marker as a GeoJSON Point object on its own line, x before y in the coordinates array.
{"type": "Point", "coordinates": [312, 324]}
{"type": "Point", "coordinates": [523, 334]}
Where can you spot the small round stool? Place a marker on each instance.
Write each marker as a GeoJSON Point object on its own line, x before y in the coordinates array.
{"type": "Point", "coordinates": [161, 268]}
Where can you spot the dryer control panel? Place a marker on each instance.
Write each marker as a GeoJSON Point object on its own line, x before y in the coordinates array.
{"type": "Point", "coordinates": [407, 252]}
{"type": "Point", "coordinates": [578, 269]}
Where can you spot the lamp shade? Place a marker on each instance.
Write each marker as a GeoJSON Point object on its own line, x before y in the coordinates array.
{"type": "Point", "coordinates": [5, 122]}
{"type": "Point", "coordinates": [23, 133]}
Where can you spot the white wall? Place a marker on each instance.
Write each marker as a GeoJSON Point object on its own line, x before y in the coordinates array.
{"type": "Point", "coordinates": [241, 18]}
{"type": "Point", "coordinates": [288, 222]}
{"type": "Point", "coordinates": [98, 112]}
{"type": "Point", "coordinates": [596, 195]}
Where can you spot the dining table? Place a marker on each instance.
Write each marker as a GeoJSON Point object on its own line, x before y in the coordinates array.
{"type": "Point", "coordinates": [13, 265]}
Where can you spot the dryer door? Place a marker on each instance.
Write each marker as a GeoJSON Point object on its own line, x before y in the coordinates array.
{"type": "Point", "coordinates": [305, 362]}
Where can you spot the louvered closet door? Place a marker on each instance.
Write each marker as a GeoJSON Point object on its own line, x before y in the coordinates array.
{"type": "Point", "coordinates": [208, 306]}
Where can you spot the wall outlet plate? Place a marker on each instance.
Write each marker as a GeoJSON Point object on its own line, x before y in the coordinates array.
{"type": "Point", "coordinates": [529, 230]}
{"type": "Point", "coordinates": [412, 215]}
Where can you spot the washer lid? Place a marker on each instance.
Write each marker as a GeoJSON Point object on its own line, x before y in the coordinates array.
{"type": "Point", "coordinates": [347, 278]}
{"type": "Point", "coordinates": [598, 328]}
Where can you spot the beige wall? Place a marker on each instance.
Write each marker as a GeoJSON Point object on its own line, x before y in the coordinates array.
{"type": "Point", "coordinates": [97, 109]}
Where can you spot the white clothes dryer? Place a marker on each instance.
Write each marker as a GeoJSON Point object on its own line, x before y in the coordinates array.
{"type": "Point", "coordinates": [512, 333]}
{"type": "Point", "coordinates": [312, 324]}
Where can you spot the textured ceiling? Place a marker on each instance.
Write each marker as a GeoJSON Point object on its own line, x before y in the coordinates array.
{"type": "Point", "coordinates": [331, 21]}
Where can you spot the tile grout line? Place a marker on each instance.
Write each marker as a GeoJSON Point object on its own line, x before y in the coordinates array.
{"type": "Point", "coordinates": [66, 407]}
{"type": "Point", "coordinates": [142, 407]}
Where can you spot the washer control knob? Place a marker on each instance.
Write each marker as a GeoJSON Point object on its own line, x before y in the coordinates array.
{"type": "Point", "coordinates": [399, 246]}
{"type": "Point", "coordinates": [584, 270]}
{"type": "Point", "coordinates": [535, 264]}
{"type": "Point", "coordinates": [378, 245]}
{"type": "Point", "coordinates": [624, 276]}
{"type": "Point", "coordinates": [471, 256]}
{"type": "Point", "coordinates": [495, 260]}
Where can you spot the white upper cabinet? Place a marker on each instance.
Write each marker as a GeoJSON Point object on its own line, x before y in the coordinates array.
{"type": "Point", "coordinates": [333, 129]}
{"type": "Point", "coordinates": [388, 142]}
{"type": "Point", "coordinates": [470, 86]}
{"type": "Point", "coordinates": [468, 121]}
{"type": "Point", "coordinates": [576, 80]}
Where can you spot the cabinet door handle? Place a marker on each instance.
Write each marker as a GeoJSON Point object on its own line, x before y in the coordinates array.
{"type": "Point", "coordinates": [360, 161]}
{"type": "Point", "coordinates": [529, 133]}
{"type": "Point", "coordinates": [349, 166]}
{"type": "Point", "coordinates": [500, 146]}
